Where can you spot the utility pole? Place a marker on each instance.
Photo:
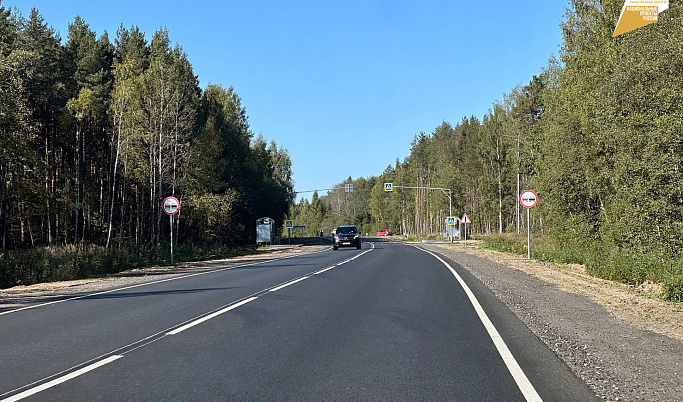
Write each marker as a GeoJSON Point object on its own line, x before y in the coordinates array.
{"type": "Point", "coordinates": [446, 191]}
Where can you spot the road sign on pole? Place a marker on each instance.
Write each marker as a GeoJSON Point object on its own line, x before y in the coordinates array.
{"type": "Point", "coordinates": [289, 225]}
{"type": "Point", "coordinates": [465, 219]}
{"type": "Point", "coordinates": [171, 206]}
{"type": "Point", "coordinates": [528, 199]}
{"type": "Point", "coordinates": [451, 221]}
{"type": "Point", "coordinates": [388, 186]}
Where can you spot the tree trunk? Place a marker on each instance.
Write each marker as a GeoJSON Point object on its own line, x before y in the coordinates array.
{"type": "Point", "coordinates": [78, 182]}
{"type": "Point", "coordinates": [162, 108]}
{"type": "Point", "coordinates": [47, 192]}
{"type": "Point", "coordinates": [113, 180]}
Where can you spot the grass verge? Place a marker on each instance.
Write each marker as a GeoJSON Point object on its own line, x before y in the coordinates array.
{"type": "Point", "coordinates": [610, 265]}
{"type": "Point", "coordinates": [50, 264]}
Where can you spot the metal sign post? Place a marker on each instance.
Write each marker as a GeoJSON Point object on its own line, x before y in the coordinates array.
{"type": "Point", "coordinates": [389, 187]}
{"type": "Point", "coordinates": [528, 199]}
{"type": "Point", "coordinates": [451, 221]}
{"type": "Point", "coordinates": [528, 234]}
{"type": "Point", "coordinates": [171, 218]}
{"type": "Point", "coordinates": [171, 206]}
{"type": "Point", "coordinates": [289, 224]}
{"type": "Point", "coordinates": [465, 219]}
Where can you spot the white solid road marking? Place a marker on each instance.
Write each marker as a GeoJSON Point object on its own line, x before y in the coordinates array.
{"type": "Point", "coordinates": [210, 316]}
{"type": "Point", "coordinates": [520, 378]}
{"type": "Point", "coordinates": [62, 379]}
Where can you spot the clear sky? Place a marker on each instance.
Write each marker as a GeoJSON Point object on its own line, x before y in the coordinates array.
{"type": "Point", "coordinates": [343, 85]}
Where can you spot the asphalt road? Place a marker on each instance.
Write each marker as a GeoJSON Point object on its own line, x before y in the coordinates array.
{"type": "Point", "coordinates": [387, 322]}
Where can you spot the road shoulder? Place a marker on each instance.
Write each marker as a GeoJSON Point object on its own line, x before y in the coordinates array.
{"type": "Point", "coordinates": [604, 332]}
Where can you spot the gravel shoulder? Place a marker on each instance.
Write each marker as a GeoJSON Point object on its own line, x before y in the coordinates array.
{"type": "Point", "coordinates": [623, 341]}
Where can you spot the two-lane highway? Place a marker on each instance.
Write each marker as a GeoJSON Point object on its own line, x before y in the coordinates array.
{"type": "Point", "coordinates": [387, 322]}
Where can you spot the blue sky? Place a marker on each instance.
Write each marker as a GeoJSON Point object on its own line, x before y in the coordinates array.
{"type": "Point", "coordinates": [345, 85]}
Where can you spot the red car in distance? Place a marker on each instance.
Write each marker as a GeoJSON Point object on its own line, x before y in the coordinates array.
{"type": "Point", "coordinates": [384, 233]}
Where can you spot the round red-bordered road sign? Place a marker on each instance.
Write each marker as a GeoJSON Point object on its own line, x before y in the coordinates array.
{"type": "Point", "coordinates": [171, 205]}
{"type": "Point", "coordinates": [528, 199]}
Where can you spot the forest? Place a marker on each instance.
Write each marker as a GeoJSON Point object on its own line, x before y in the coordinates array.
{"type": "Point", "coordinates": [94, 134]}
{"type": "Point", "coordinates": [597, 134]}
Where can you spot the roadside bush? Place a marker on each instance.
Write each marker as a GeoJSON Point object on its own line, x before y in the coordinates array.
{"type": "Point", "coordinates": [510, 243]}
{"type": "Point", "coordinates": [673, 289]}
{"type": "Point", "coordinates": [50, 264]}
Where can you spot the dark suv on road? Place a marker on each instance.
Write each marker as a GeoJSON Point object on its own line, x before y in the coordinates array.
{"type": "Point", "coordinates": [346, 236]}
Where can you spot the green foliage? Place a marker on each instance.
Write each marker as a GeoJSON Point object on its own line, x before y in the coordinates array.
{"type": "Point", "coordinates": [673, 288]}
{"type": "Point", "coordinates": [214, 218]}
{"type": "Point", "coordinates": [94, 135]}
{"type": "Point", "coordinates": [509, 243]}
{"type": "Point", "coordinates": [27, 267]}
{"type": "Point", "coordinates": [610, 265]}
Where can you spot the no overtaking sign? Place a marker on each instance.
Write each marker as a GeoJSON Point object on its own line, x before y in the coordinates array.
{"type": "Point", "coordinates": [171, 205]}
{"type": "Point", "coordinates": [528, 199]}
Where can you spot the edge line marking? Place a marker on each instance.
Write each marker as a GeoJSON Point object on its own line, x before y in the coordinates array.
{"type": "Point", "coordinates": [153, 283]}
{"type": "Point", "coordinates": [515, 370]}
{"type": "Point", "coordinates": [93, 366]}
